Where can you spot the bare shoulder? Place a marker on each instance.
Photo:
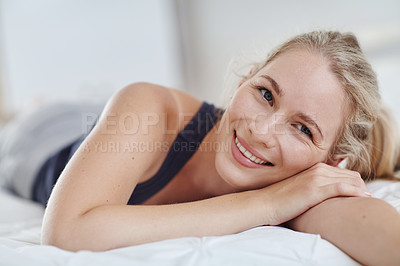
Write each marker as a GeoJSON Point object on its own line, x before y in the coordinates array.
{"type": "Point", "coordinates": [148, 115]}
{"type": "Point", "coordinates": [143, 97]}
{"type": "Point", "coordinates": [152, 98]}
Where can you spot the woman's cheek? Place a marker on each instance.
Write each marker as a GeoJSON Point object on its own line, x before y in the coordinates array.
{"type": "Point", "coordinates": [295, 154]}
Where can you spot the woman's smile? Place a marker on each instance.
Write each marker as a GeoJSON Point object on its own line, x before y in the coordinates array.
{"type": "Point", "coordinates": [247, 156]}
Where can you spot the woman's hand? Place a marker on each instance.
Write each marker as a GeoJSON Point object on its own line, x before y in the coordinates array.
{"type": "Point", "coordinates": [291, 197]}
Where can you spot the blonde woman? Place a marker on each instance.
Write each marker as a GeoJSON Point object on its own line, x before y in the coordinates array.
{"type": "Point", "coordinates": [162, 164]}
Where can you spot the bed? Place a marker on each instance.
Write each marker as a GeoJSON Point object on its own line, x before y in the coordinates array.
{"type": "Point", "coordinates": [20, 229]}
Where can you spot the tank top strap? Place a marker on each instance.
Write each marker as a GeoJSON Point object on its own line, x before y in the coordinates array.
{"type": "Point", "coordinates": [182, 149]}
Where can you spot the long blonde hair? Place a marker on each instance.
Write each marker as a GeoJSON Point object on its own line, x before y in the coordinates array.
{"type": "Point", "coordinates": [369, 139]}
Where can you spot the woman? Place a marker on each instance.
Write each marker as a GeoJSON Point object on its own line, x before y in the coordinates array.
{"type": "Point", "coordinates": [188, 169]}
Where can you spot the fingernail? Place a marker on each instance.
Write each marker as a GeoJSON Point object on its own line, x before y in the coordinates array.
{"type": "Point", "coordinates": [368, 193]}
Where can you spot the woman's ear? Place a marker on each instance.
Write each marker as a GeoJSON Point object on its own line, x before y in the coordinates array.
{"type": "Point", "coordinates": [335, 162]}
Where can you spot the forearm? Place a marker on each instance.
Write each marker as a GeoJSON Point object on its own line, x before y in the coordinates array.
{"type": "Point", "coordinates": [112, 226]}
{"type": "Point", "coordinates": [367, 229]}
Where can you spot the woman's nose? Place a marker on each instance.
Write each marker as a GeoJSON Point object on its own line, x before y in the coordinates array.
{"type": "Point", "coordinates": [267, 129]}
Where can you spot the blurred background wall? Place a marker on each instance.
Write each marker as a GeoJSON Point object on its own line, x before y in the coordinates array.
{"type": "Point", "coordinates": [53, 50]}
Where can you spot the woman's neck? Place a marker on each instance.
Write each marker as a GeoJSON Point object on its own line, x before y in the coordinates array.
{"type": "Point", "coordinates": [201, 168]}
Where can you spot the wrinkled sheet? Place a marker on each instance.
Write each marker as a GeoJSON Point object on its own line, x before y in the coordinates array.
{"type": "Point", "coordinates": [20, 229]}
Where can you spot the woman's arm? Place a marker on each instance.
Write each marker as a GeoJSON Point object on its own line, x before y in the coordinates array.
{"type": "Point", "coordinates": [108, 226]}
{"type": "Point", "coordinates": [367, 229]}
{"type": "Point", "coordinates": [113, 226]}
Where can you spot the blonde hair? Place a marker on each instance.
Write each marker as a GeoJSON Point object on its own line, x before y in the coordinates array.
{"type": "Point", "coordinates": [369, 140]}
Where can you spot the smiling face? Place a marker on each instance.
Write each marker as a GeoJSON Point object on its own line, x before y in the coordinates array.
{"type": "Point", "coordinates": [281, 121]}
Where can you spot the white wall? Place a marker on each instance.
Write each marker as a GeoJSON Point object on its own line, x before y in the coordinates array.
{"type": "Point", "coordinates": [217, 30]}
{"type": "Point", "coordinates": [74, 50]}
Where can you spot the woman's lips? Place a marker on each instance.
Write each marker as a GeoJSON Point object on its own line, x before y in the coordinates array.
{"type": "Point", "coordinates": [242, 159]}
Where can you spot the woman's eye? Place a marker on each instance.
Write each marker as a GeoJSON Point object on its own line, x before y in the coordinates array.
{"type": "Point", "coordinates": [304, 130]}
{"type": "Point", "coordinates": [267, 95]}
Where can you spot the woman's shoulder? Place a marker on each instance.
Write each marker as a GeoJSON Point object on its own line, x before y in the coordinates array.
{"type": "Point", "coordinates": [153, 98]}
{"type": "Point", "coordinates": [146, 117]}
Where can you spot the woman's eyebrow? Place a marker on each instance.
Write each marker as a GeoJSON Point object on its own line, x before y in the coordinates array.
{"type": "Point", "coordinates": [310, 121]}
{"type": "Point", "coordinates": [274, 84]}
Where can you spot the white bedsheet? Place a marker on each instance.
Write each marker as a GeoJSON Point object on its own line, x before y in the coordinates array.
{"type": "Point", "coordinates": [20, 223]}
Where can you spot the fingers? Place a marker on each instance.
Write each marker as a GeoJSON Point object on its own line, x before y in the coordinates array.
{"type": "Point", "coordinates": [325, 168]}
{"type": "Point", "coordinates": [343, 189]}
{"type": "Point", "coordinates": [332, 171]}
{"type": "Point", "coordinates": [335, 181]}
{"type": "Point", "coordinates": [354, 181]}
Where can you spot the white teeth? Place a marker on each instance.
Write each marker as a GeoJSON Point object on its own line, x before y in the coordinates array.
{"type": "Point", "coordinates": [248, 154]}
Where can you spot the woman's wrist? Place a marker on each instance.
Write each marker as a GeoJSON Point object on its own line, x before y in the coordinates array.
{"type": "Point", "coordinates": [262, 206]}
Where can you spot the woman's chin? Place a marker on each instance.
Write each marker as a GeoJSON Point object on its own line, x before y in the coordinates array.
{"type": "Point", "coordinates": [234, 177]}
